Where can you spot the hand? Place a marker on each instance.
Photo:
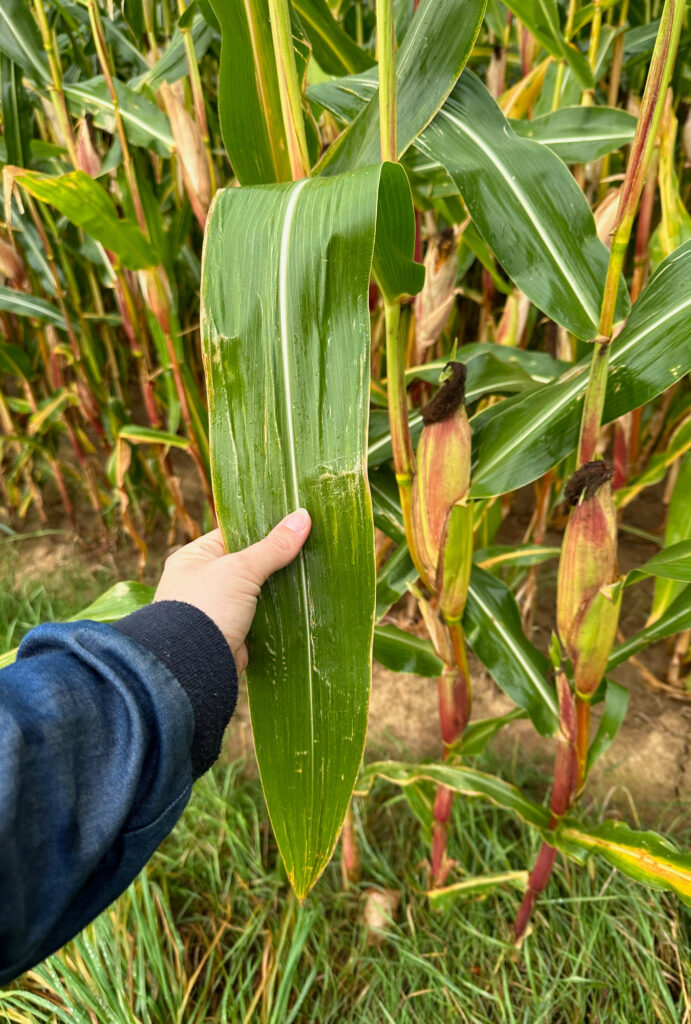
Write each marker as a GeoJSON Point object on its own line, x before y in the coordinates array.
{"type": "Point", "coordinates": [226, 587]}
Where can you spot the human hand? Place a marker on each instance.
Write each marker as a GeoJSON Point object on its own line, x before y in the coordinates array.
{"type": "Point", "coordinates": [226, 586]}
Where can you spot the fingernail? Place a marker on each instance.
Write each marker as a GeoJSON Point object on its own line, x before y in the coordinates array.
{"type": "Point", "coordinates": [297, 521]}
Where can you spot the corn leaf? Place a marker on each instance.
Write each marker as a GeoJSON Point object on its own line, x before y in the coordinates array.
{"type": "Point", "coordinates": [616, 703]}
{"type": "Point", "coordinates": [524, 436]}
{"type": "Point", "coordinates": [676, 619]}
{"type": "Point", "coordinates": [645, 856]}
{"type": "Point", "coordinates": [145, 125]}
{"type": "Point", "coordinates": [285, 330]}
{"type": "Point", "coordinates": [25, 304]}
{"type": "Point", "coordinates": [678, 528]}
{"type": "Point", "coordinates": [580, 134]}
{"type": "Point", "coordinates": [20, 40]}
{"type": "Point", "coordinates": [672, 563]}
{"type": "Point", "coordinates": [248, 93]}
{"type": "Point", "coordinates": [427, 65]}
{"type": "Point", "coordinates": [468, 781]}
{"type": "Point", "coordinates": [492, 626]}
{"type": "Point", "coordinates": [136, 434]}
{"type": "Point", "coordinates": [86, 203]}
{"type": "Point", "coordinates": [392, 579]}
{"type": "Point", "coordinates": [402, 652]}
{"type": "Point", "coordinates": [333, 48]}
{"type": "Point", "coordinates": [525, 204]}
{"type": "Point", "coordinates": [474, 888]}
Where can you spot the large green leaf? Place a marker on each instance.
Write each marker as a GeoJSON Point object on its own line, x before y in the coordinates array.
{"type": "Point", "coordinates": [285, 329]}
{"type": "Point", "coordinates": [524, 436]}
{"type": "Point", "coordinates": [526, 205]}
{"type": "Point", "coordinates": [428, 63]}
{"type": "Point", "coordinates": [492, 625]}
{"type": "Point", "coordinates": [249, 100]}
{"type": "Point", "coordinates": [87, 204]}
{"type": "Point", "coordinates": [580, 134]}
{"type": "Point", "coordinates": [333, 48]}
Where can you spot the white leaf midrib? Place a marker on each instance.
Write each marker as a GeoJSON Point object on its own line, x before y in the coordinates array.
{"type": "Point", "coordinates": [284, 338]}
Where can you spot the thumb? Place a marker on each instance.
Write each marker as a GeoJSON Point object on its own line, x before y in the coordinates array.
{"type": "Point", "coordinates": [280, 547]}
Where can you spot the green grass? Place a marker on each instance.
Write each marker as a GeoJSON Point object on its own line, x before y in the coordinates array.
{"type": "Point", "coordinates": [210, 932]}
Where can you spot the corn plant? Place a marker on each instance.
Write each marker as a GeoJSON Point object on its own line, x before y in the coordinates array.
{"type": "Point", "coordinates": [419, 295]}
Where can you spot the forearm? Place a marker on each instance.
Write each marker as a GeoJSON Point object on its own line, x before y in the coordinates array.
{"type": "Point", "coordinates": [102, 732]}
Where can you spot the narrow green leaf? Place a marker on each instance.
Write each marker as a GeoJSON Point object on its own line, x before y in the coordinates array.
{"type": "Point", "coordinates": [16, 114]}
{"type": "Point", "coordinates": [616, 703]}
{"type": "Point", "coordinates": [20, 40]}
{"type": "Point", "coordinates": [468, 781]}
{"type": "Point", "coordinates": [478, 734]}
{"type": "Point", "coordinates": [86, 203]}
{"type": "Point", "coordinates": [500, 556]}
{"type": "Point", "coordinates": [402, 652]}
{"type": "Point", "coordinates": [492, 626]}
{"type": "Point", "coordinates": [580, 134]}
{"type": "Point", "coordinates": [645, 856]}
{"type": "Point", "coordinates": [136, 434]}
{"type": "Point", "coordinates": [672, 563]}
{"type": "Point", "coordinates": [145, 125]}
{"type": "Point", "coordinates": [521, 438]}
{"type": "Point", "coordinates": [171, 66]}
{"type": "Point", "coordinates": [525, 204]}
{"type": "Point", "coordinates": [333, 48]}
{"type": "Point", "coordinates": [549, 32]}
{"type": "Point", "coordinates": [25, 304]}
{"type": "Point", "coordinates": [677, 528]}
{"type": "Point", "coordinates": [248, 94]}
{"type": "Point", "coordinates": [285, 330]}
{"type": "Point", "coordinates": [393, 578]}
{"type": "Point", "coordinates": [472, 888]}
{"type": "Point", "coordinates": [428, 63]}
{"type": "Point", "coordinates": [676, 619]}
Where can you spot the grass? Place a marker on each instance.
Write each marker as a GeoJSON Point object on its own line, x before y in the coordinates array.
{"type": "Point", "coordinates": [210, 932]}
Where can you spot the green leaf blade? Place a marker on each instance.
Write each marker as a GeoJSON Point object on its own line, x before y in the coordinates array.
{"type": "Point", "coordinates": [285, 328]}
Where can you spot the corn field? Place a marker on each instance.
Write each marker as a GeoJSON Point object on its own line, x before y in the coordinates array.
{"type": "Point", "coordinates": [395, 263]}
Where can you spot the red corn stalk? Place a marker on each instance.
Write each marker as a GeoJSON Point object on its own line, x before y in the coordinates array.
{"type": "Point", "coordinates": [565, 774]}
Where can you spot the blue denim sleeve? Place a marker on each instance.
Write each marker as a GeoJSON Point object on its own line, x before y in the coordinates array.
{"type": "Point", "coordinates": [102, 732]}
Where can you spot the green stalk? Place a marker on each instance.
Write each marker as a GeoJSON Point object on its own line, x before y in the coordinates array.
{"type": "Point", "coordinates": [55, 88]}
{"type": "Point", "coordinates": [100, 43]}
{"type": "Point", "coordinates": [386, 49]}
{"type": "Point", "coordinates": [659, 75]}
{"type": "Point", "coordinates": [289, 88]}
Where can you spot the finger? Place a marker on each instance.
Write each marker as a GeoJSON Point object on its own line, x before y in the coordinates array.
{"type": "Point", "coordinates": [279, 548]}
{"type": "Point", "coordinates": [210, 546]}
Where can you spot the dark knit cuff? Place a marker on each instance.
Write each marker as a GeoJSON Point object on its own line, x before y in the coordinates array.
{"type": "Point", "coordinates": [193, 648]}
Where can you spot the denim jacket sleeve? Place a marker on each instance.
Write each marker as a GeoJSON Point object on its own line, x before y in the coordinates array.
{"type": "Point", "coordinates": [103, 730]}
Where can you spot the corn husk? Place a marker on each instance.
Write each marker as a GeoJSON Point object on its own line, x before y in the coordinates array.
{"type": "Point", "coordinates": [588, 586]}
